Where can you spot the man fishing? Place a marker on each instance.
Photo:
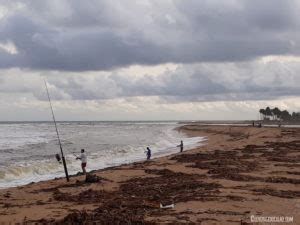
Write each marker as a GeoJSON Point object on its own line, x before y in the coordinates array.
{"type": "Point", "coordinates": [83, 161]}
{"type": "Point", "coordinates": [181, 146]}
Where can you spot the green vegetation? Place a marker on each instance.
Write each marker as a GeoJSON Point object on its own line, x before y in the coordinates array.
{"type": "Point", "coordinates": [277, 114]}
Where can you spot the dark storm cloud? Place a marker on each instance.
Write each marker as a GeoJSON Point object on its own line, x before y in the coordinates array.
{"type": "Point", "coordinates": [255, 80]}
{"type": "Point", "coordinates": [202, 82]}
{"type": "Point", "coordinates": [101, 35]}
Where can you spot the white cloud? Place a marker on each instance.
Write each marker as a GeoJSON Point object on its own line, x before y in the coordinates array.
{"type": "Point", "coordinates": [9, 47]}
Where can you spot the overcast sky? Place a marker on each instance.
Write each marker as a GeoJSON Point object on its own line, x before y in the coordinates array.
{"type": "Point", "coordinates": [148, 60]}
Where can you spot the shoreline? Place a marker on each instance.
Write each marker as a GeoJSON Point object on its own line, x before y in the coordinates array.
{"type": "Point", "coordinates": [157, 152]}
{"type": "Point", "coordinates": [226, 192]}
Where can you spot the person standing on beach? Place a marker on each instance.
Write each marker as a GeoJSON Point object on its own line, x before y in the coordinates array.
{"type": "Point", "coordinates": [181, 146]}
{"type": "Point", "coordinates": [148, 153]}
{"type": "Point", "coordinates": [83, 161]}
{"type": "Point", "coordinates": [279, 123]}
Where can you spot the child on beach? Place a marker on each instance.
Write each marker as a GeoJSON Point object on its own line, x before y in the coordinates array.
{"type": "Point", "coordinates": [83, 161]}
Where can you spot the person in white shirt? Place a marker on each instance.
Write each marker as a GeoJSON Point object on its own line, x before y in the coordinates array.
{"type": "Point", "coordinates": [83, 161]}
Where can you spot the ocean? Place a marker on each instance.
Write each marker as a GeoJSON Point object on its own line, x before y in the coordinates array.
{"type": "Point", "coordinates": [27, 149]}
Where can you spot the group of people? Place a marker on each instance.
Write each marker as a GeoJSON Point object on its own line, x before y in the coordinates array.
{"type": "Point", "coordinates": [83, 157]}
{"type": "Point", "coordinates": [260, 125]}
{"type": "Point", "coordinates": [148, 151]}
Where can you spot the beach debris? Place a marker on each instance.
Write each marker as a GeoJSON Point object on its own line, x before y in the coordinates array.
{"type": "Point", "coordinates": [7, 194]}
{"type": "Point", "coordinates": [151, 204]}
{"type": "Point", "coordinates": [223, 212]}
{"type": "Point", "coordinates": [92, 178]}
{"type": "Point", "coordinates": [171, 206]}
{"type": "Point", "coordinates": [7, 205]}
{"type": "Point", "coordinates": [76, 217]}
{"type": "Point", "coordinates": [278, 193]}
{"type": "Point", "coordinates": [87, 196]}
{"type": "Point", "coordinates": [166, 189]}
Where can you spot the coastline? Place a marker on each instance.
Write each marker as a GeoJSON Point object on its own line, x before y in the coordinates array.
{"type": "Point", "coordinates": [239, 172]}
{"type": "Point", "coordinates": [28, 155]}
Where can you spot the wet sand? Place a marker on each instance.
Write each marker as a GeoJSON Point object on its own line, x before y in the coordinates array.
{"type": "Point", "coordinates": [239, 172]}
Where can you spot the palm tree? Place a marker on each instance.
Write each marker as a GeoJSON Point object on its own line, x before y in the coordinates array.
{"type": "Point", "coordinates": [276, 113]}
{"type": "Point", "coordinates": [262, 113]}
{"type": "Point", "coordinates": [285, 115]}
{"type": "Point", "coordinates": [268, 111]}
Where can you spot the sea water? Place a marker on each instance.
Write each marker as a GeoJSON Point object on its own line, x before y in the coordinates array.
{"type": "Point", "coordinates": [27, 149]}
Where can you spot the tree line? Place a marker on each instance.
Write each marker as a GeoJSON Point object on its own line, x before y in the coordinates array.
{"type": "Point", "coordinates": [277, 114]}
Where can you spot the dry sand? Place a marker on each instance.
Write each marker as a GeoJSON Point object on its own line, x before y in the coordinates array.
{"type": "Point", "coordinates": [239, 172]}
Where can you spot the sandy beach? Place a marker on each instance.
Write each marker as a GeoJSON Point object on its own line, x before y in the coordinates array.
{"type": "Point", "coordinates": [240, 172]}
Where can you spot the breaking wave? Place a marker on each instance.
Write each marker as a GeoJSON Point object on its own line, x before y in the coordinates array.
{"type": "Point", "coordinates": [107, 144]}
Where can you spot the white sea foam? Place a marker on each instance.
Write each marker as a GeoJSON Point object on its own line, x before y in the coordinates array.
{"type": "Point", "coordinates": [107, 144]}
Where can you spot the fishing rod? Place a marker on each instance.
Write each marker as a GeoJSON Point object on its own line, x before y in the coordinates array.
{"type": "Point", "coordinates": [59, 142]}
